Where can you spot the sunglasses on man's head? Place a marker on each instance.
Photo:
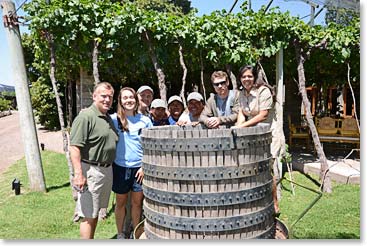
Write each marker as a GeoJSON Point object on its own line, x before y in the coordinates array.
{"type": "Point", "coordinates": [220, 83]}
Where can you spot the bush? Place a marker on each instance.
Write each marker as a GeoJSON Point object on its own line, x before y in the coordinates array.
{"type": "Point", "coordinates": [44, 105]}
{"type": "Point", "coordinates": [4, 104]}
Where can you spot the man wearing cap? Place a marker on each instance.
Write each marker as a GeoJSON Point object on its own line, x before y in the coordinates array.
{"type": "Point", "coordinates": [175, 108]}
{"type": "Point", "coordinates": [222, 107]}
{"type": "Point", "coordinates": [195, 105]}
{"type": "Point", "coordinates": [158, 113]}
{"type": "Point", "coordinates": [145, 95]}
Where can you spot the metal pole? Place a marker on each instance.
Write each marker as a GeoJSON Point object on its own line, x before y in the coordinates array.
{"type": "Point", "coordinates": [268, 6]}
{"type": "Point", "coordinates": [312, 19]}
{"type": "Point", "coordinates": [234, 4]}
{"type": "Point", "coordinates": [27, 124]}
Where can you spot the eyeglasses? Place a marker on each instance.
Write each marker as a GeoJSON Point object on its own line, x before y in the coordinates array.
{"type": "Point", "coordinates": [220, 83]}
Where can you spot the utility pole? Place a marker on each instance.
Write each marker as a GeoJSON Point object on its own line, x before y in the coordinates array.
{"type": "Point", "coordinates": [27, 124]}
{"type": "Point", "coordinates": [313, 7]}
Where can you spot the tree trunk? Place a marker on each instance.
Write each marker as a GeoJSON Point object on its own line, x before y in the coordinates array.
{"type": "Point", "coordinates": [354, 99]}
{"type": "Point", "coordinates": [65, 134]}
{"type": "Point", "coordinates": [202, 75]}
{"type": "Point", "coordinates": [182, 62]}
{"type": "Point", "coordinates": [69, 101]}
{"type": "Point", "coordinates": [231, 76]}
{"type": "Point", "coordinates": [95, 62]}
{"type": "Point", "coordinates": [325, 178]}
{"type": "Point", "coordinates": [261, 73]}
{"type": "Point", "coordinates": [159, 71]}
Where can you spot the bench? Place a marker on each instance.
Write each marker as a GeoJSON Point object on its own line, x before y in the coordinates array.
{"type": "Point", "coordinates": [298, 132]}
{"type": "Point", "coordinates": [338, 130]}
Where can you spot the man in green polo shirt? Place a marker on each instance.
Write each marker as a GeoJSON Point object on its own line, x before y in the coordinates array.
{"type": "Point", "coordinates": [93, 141]}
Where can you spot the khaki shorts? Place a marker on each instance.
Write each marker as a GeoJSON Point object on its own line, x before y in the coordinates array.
{"type": "Point", "coordinates": [99, 181]}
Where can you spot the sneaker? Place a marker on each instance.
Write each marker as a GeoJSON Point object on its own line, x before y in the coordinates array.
{"type": "Point", "coordinates": [121, 236]}
{"type": "Point", "coordinates": [102, 215]}
{"type": "Point", "coordinates": [76, 218]}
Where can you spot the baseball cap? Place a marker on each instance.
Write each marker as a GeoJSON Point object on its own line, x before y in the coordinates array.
{"type": "Point", "coordinates": [143, 88]}
{"type": "Point", "coordinates": [174, 98]}
{"type": "Point", "coordinates": [158, 103]}
{"type": "Point", "coordinates": [195, 96]}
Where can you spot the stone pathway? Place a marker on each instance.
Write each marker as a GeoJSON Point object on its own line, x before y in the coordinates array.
{"type": "Point", "coordinates": [344, 164]}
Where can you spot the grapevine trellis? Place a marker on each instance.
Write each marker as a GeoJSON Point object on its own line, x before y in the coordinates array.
{"type": "Point", "coordinates": [128, 44]}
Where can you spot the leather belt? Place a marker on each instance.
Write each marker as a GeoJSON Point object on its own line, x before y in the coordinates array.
{"type": "Point", "coordinates": [96, 163]}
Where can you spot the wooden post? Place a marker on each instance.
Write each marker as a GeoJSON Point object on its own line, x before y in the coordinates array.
{"type": "Point", "coordinates": [278, 133]}
{"type": "Point", "coordinates": [27, 124]}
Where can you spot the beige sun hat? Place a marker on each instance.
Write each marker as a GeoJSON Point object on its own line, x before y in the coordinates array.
{"type": "Point", "coordinates": [143, 88]}
{"type": "Point", "coordinates": [174, 98]}
{"type": "Point", "coordinates": [195, 96]}
{"type": "Point", "coordinates": [158, 103]}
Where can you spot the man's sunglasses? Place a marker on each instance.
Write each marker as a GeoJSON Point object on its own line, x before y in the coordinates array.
{"type": "Point", "coordinates": [220, 83]}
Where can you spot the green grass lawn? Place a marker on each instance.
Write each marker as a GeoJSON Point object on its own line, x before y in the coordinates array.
{"type": "Point", "coordinates": [35, 215]}
{"type": "Point", "coordinates": [334, 216]}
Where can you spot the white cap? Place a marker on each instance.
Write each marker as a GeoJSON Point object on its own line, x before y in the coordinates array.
{"type": "Point", "coordinates": [195, 96]}
{"type": "Point", "coordinates": [143, 88]}
{"type": "Point", "coordinates": [174, 98]}
{"type": "Point", "coordinates": [158, 103]}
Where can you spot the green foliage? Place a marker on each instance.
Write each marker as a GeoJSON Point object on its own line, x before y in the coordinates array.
{"type": "Point", "coordinates": [173, 6]}
{"type": "Point", "coordinates": [341, 16]}
{"type": "Point", "coordinates": [217, 39]}
{"type": "Point", "coordinates": [44, 105]}
{"type": "Point", "coordinates": [4, 104]}
{"type": "Point", "coordinates": [287, 157]}
{"type": "Point", "coordinates": [7, 94]}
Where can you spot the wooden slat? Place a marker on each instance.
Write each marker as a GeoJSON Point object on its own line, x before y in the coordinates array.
{"type": "Point", "coordinates": [205, 159]}
{"type": "Point", "coordinates": [213, 163]}
{"type": "Point", "coordinates": [205, 163]}
{"type": "Point", "coordinates": [221, 184]}
{"type": "Point", "coordinates": [190, 184]}
{"type": "Point", "coordinates": [164, 134]}
{"type": "Point", "coordinates": [176, 184]}
{"type": "Point", "coordinates": [183, 184]}
{"type": "Point", "coordinates": [170, 183]}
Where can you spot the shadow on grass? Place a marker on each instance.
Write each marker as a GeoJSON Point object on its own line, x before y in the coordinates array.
{"type": "Point", "coordinates": [112, 209]}
{"type": "Point", "coordinates": [58, 187]}
{"type": "Point", "coordinates": [316, 182]}
{"type": "Point", "coordinates": [285, 170]}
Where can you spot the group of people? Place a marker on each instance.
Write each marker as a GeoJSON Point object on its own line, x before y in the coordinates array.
{"type": "Point", "coordinates": [174, 112]}
{"type": "Point", "coordinates": [106, 151]}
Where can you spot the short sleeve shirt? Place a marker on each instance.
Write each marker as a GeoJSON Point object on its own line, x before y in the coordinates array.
{"type": "Point", "coordinates": [258, 99]}
{"type": "Point", "coordinates": [129, 151]}
{"type": "Point", "coordinates": [95, 135]}
{"type": "Point", "coordinates": [187, 117]}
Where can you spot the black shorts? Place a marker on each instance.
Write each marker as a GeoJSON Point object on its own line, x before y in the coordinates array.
{"type": "Point", "coordinates": [124, 179]}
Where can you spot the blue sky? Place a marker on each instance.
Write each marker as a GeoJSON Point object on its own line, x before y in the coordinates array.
{"type": "Point", "coordinates": [296, 8]}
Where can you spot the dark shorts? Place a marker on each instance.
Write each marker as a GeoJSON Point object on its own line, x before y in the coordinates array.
{"type": "Point", "coordinates": [124, 180]}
